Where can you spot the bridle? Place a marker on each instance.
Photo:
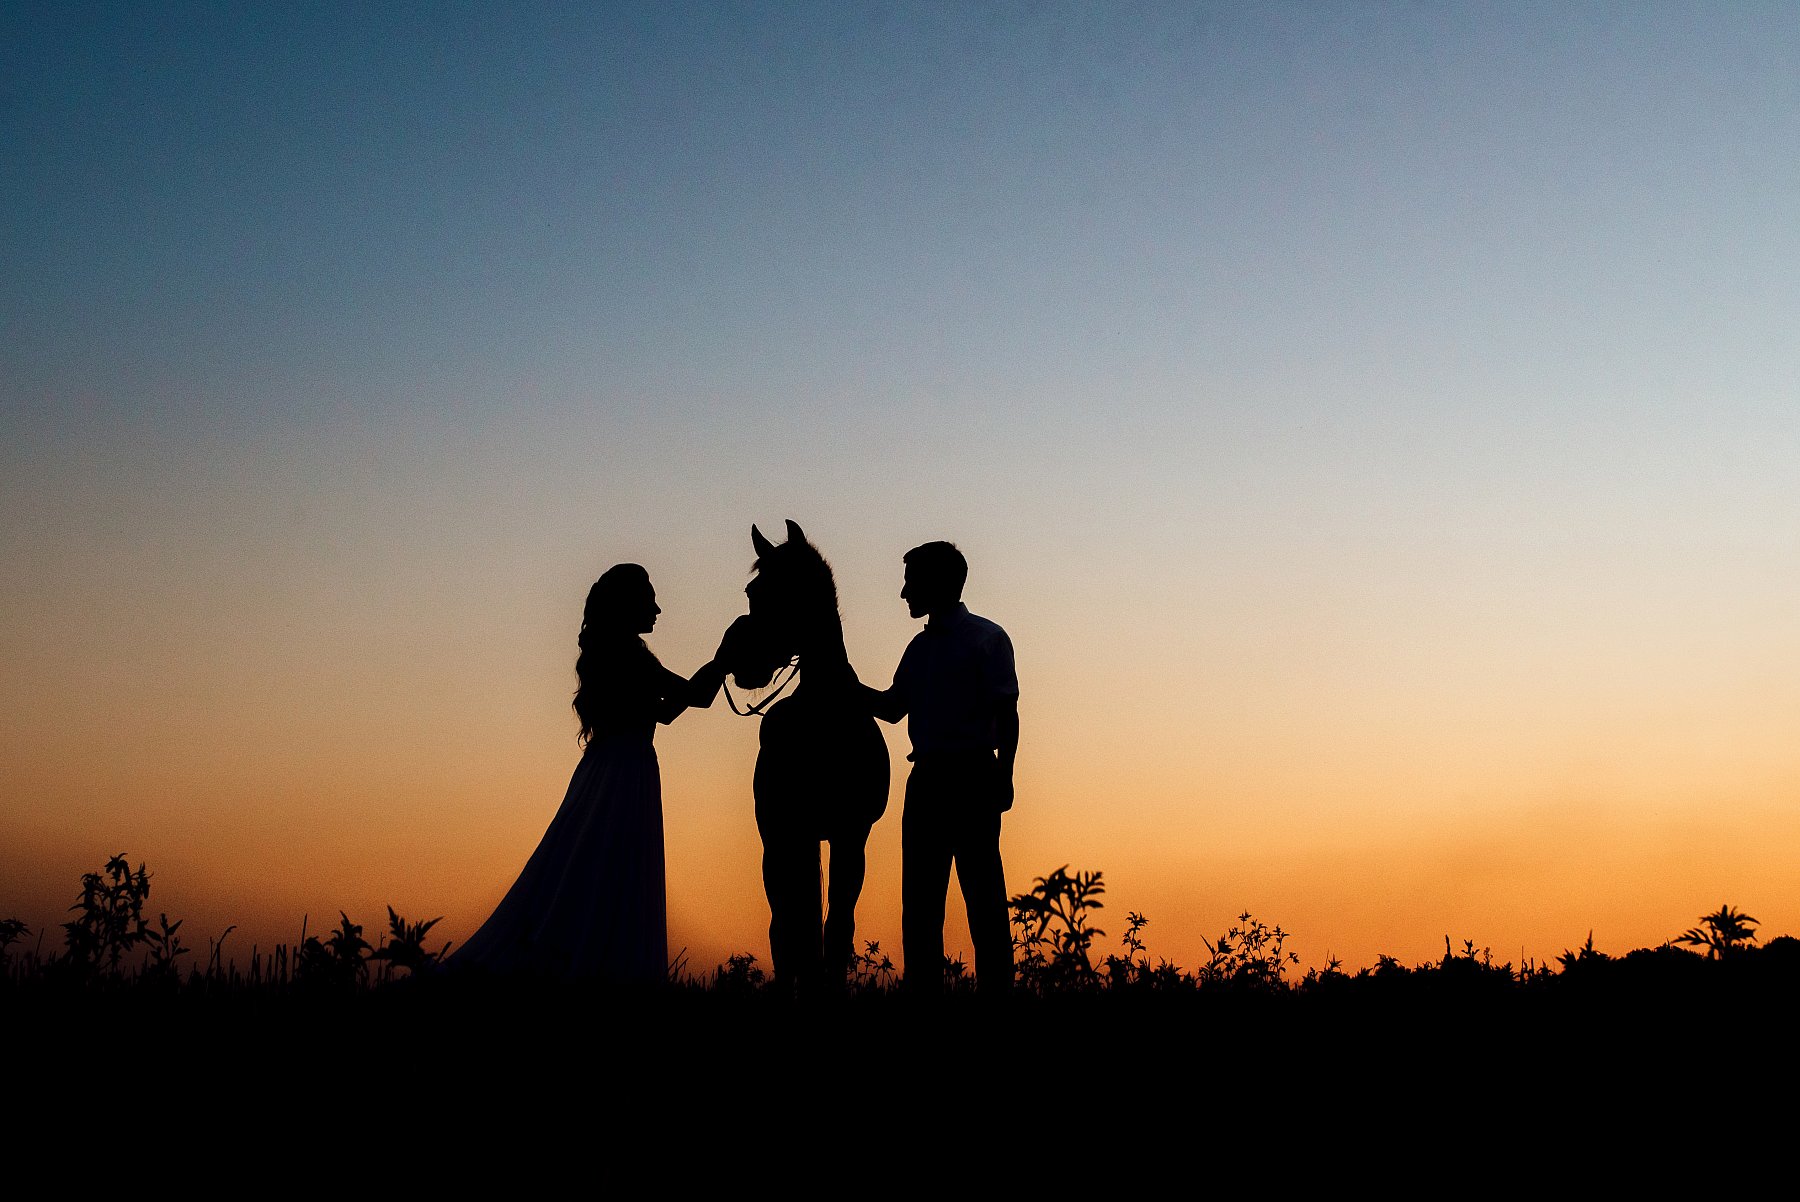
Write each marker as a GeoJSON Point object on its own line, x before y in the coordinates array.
{"type": "Point", "coordinates": [756, 711]}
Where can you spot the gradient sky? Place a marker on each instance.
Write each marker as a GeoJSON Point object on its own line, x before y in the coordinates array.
{"type": "Point", "coordinates": [1377, 425]}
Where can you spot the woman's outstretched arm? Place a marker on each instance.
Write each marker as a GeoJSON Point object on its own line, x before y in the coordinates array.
{"type": "Point", "coordinates": [680, 693]}
{"type": "Point", "coordinates": [676, 694]}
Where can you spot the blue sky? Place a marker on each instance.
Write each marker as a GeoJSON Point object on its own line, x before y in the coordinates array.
{"type": "Point", "coordinates": [237, 207]}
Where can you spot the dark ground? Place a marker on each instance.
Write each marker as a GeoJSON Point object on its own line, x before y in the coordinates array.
{"type": "Point", "coordinates": [446, 1081]}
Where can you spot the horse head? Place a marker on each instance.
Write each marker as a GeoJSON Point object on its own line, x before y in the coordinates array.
{"type": "Point", "coordinates": [793, 600]}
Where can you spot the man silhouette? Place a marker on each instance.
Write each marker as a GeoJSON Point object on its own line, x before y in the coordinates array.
{"type": "Point", "coordinates": [958, 689]}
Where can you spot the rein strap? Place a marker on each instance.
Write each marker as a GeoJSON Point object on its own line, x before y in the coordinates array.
{"type": "Point", "coordinates": [755, 711]}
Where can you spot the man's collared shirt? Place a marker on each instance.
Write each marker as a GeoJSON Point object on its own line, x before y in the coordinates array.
{"type": "Point", "coordinates": [953, 676]}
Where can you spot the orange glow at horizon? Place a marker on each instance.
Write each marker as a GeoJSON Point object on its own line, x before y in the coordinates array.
{"type": "Point", "coordinates": [1363, 822]}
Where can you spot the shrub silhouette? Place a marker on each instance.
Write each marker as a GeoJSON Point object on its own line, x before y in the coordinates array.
{"type": "Point", "coordinates": [738, 976]}
{"type": "Point", "coordinates": [1250, 957]}
{"type": "Point", "coordinates": [110, 918]}
{"type": "Point", "coordinates": [164, 942]}
{"type": "Point", "coordinates": [1726, 932]}
{"type": "Point", "coordinates": [1133, 971]}
{"type": "Point", "coordinates": [1331, 976]}
{"type": "Point", "coordinates": [339, 961]}
{"type": "Point", "coordinates": [1054, 939]}
{"type": "Point", "coordinates": [404, 946]}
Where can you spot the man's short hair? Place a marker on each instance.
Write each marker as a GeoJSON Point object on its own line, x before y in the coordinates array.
{"type": "Point", "coordinates": [940, 563]}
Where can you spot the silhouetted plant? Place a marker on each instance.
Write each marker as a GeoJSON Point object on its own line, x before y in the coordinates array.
{"type": "Point", "coordinates": [1134, 923]}
{"type": "Point", "coordinates": [1054, 939]}
{"type": "Point", "coordinates": [1585, 954]}
{"type": "Point", "coordinates": [1133, 970]}
{"type": "Point", "coordinates": [164, 942]}
{"type": "Point", "coordinates": [1130, 967]}
{"type": "Point", "coordinates": [871, 970]}
{"type": "Point", "coordinates": [1784, 946]}
{"type": "Point", "coordinates": [110, 918]}
{"type": "Point", "coordinates": [404, 946]}
{"type": "Point", "coordinates": [1249, 956]}
{"type": "Point", "coordinates": [1726, 931]}
{"type": "Point", "coordinates": [1531, 972]}
{"type": "Point", "coordinates": [1332, 976]}
{"type": "Point", "coordinates": [215, 969]}
{"type": "Point", "coordinates": [957, 977]}
{"type": "Point", "coordinates": [1471, 967]}
{"type": "Point", "coordinates": [1583, 963]}
{"type": "Point", "coordinates": [738, 975]}
{"type": "Point", "coordinates": [340, 960]}
{"type": "Point", "coordinates": [11, 931]}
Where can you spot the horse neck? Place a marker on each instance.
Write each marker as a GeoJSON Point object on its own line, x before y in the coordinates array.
{"type": "Point", "coordinates": [822, 645]}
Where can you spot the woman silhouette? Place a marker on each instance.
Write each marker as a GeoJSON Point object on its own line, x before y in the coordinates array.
{"type": "Point", "coordinates": [590, 901]}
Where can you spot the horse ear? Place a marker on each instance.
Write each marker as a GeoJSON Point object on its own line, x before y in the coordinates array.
{"type": "Point", "coordinates": [762, 545]}
{"type": "Point", "coordinates": [795, 534]}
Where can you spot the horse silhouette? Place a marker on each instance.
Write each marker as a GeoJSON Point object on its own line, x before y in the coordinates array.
{"type": "Point", "coordinates": [822, 765]}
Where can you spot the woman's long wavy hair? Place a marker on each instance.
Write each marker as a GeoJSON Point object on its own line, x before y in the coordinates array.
{"type": "Point", "coordinates": [606, 638]}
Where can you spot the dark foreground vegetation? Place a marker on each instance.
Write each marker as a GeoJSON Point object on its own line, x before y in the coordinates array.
{"type": "Point", "coordinates": [1094, 1034]}
{"type": "Point", "coordinates": [110, 949]}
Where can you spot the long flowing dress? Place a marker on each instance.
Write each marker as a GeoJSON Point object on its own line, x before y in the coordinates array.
{"type": "Point", "coordinates": [591, 900]}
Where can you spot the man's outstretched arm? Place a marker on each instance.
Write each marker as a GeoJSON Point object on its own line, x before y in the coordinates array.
{"type": "Point", "coordinates": [886, 704]}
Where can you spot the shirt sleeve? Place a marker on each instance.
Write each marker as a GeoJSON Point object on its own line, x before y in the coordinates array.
{"type": "Point", "coordinates": [903, 674]}
{"type": "Point", "coordinates": [1002, 677]}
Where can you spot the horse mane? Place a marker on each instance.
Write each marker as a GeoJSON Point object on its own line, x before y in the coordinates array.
{"type": "Point", "coordinates": [806, 587]}
{"type": "Point", "coordinates": [804, 573]}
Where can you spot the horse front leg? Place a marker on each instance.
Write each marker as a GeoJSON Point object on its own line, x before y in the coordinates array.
{"type": "Point", "coordinates": [791, 882]}
{"type": "Point", "coordinates": [849, 863]}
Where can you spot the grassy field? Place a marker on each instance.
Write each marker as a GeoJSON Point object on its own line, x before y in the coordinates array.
{"type": "Point", "coordinates": [1094, 1056]}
